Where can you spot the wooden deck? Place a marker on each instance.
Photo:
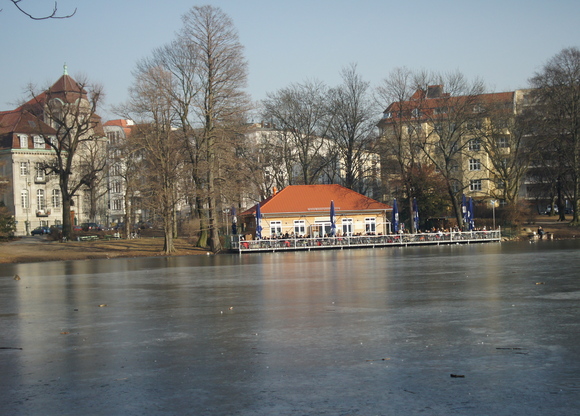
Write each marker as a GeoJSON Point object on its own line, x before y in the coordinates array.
{"type": "Point", "coordinates": [340, 243]}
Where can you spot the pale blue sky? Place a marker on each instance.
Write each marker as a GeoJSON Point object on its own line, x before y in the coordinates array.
{"type": "Point", "coordinates": [502, 42]}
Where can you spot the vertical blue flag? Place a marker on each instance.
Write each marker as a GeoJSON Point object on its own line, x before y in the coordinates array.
{"type": "Point", "coordinates": [332, 220]}
{"type": "Point", "coordinates": [395, 217]}
{"type": "Point", "coordinates": [415, 214]}
{"type": "Point", "coordinates": [258, 222]}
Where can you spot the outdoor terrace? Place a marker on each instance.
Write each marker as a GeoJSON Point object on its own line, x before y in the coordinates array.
{"type": "Point", "coordinates": [281, 244]}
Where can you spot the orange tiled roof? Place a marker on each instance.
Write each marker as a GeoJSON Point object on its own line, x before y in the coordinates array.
{"type": "Point", "coordinates": [124, 124]}
{"type": "Point", "coordinates": [427, 106]}
{"type": "Point", "coordinates": [65, 88]}
{"type": "Point", "coordinates": [316, 198]}
{"type": "Point", "coordinates": [22, 122]}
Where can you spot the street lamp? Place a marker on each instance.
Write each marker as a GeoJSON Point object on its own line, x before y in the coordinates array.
{"type": "Point", "coordinates": [27, 223]}
{"type": "Point", "coordinates": [493, 211]}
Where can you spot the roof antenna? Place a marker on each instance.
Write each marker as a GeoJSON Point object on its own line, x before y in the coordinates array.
{"type": "Point", "coordinates": [65, 69]}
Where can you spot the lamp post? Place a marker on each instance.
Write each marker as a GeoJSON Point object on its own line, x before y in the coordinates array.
{"type": "Point", "coordinates": [27, 223]}
{"type": "Point", "coordinates": [493, 211]}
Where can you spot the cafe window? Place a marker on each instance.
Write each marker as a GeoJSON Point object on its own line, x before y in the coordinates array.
{"type": "Point", "coordinates": [275, 227]}
{"type": "Point", "coordinates": [347, 226]}
{"type": "Point", "coordinates": [370, 225]}
{"type": "Point", "coordinates": [299, 227]}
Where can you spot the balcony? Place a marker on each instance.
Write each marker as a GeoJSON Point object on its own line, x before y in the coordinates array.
{"type": "Point", "coordinates": [43, 213]}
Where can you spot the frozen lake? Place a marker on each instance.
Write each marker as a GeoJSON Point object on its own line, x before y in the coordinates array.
{"type": "Point", "coordinates": [354, 332]}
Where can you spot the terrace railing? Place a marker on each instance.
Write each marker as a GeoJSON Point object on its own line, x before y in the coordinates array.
{"type": "Point", "coordinates": [310, 243]}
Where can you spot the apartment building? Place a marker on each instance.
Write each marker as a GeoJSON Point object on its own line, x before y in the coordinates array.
{"type": "Point", "coordinates": [27, 135]}
{"type": "Point", "coordinates": [466, 139]}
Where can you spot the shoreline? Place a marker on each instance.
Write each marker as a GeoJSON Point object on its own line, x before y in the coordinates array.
{"type": "Point", "coordinates": [39, 249]}
{"type": "Point", "coordinates": [34, 249]}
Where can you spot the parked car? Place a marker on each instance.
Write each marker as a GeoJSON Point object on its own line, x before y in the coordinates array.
{"type": "Point", "coordinates": [90, 226]}
{"type": "Point", "coordinates": [40, 231]}
{"type": "Point", "coordinates": [144, 225]}
{"type": "Point", "coordinates": [567, 210]}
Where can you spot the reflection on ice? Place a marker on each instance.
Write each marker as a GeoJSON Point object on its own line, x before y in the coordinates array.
{"type": "Point", "coordinates": [329, 332]}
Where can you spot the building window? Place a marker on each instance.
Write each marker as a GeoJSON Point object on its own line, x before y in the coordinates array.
{"type": "Point", "coordinates": [39, 173]}
{"type": "Point", "coordinates": [370, 225]}
{"type": "Point", "coordinates": [116, 187]}
{"type": "Point", "coordinates": [475, 145]}
{"type": "Point", "coordinates": [455, 187]}
{"type": "Point", "coordinates": [24, 199]}
{"type": "Point", "coordinates": [40, 200]}
{"type": "Point", "coordinates": [474, 164]}
{"type": "Point", "coordinates": [56, 198]}
{"type": "Point", "coordinates": [275, 228]}
{"type": "Point", "coordinates": [347, 226]}
{"type": "Point", "coordinates": [475, 185]}
{"type": "Point", "coordinates": [299, 227]}
{"type": "Point", "coordinates": [115, 170]}
{"type": "Point", "coordinates": [113, 137]}
{"type": "Point", "coordinates": [24, 168]}
{"type": "Point", "coordinates": [38, 142]}
{"type": "Point", "coordinates": [502, 142]}
{"type": "Point", "coordinates": [23, 141]}
{"type": "Point", "coordinates": [117, 204]}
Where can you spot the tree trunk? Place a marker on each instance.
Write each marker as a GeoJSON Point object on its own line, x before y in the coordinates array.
{"type": "Point", "coordinates": [66, 219]}
{"type": "Point", "coordinates": [202, 237]}
{"type": "Point", "coordinates": [456, 209]}
{"type": "Point", "coordinates": [168, 246]}
{"type": "Point", "coordinates": [214, 241]}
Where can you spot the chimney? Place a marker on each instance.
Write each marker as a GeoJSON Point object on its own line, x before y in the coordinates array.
{"type": "Point", "coordinates": [434, 91]}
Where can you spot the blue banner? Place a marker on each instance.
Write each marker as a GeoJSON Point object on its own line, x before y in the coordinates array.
{"type": "Point", "coordinates": [395, 217]}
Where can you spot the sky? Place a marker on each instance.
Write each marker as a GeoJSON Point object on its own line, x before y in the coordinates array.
{"type": "Point", "coordinates": [501, 42]}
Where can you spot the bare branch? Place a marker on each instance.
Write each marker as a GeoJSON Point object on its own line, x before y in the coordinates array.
{"type": "Point", "coordinates": [53, 15]}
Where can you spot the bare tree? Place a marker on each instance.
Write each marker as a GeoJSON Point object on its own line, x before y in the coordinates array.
{"type": "Point", "coordinates": [449, 115]}
{"type": "Point", "coordinates": [402, 132]}
{"type": "Point", "coordinates": [300, 111]}
{"type": "Point", "coordinates": [52, 15]}
{"type": "Point", "coordinates": [92, 163]}
{"type": "Point", "coordinates": [557, 100]}
{"type": "Point", "coordinates": [353, 129]}
{"type": "Point", "coordinates": [70, 107]}
{"type": "Point", "coordinates": [269, 158]}
{"type": "Point", "coordinates": [151, 108]}
{"type": "Point", "coordinates": [126, 164]}
{"type": "Point", "coordinates": [180, 61]}
{"type": "Point", "coordinates": [506, 140]}
{"type": "Point", "coordinates": [219, 104]}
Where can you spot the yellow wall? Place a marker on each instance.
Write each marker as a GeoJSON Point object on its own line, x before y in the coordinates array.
{"type": "Point", "coordinates": [312, 223]}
